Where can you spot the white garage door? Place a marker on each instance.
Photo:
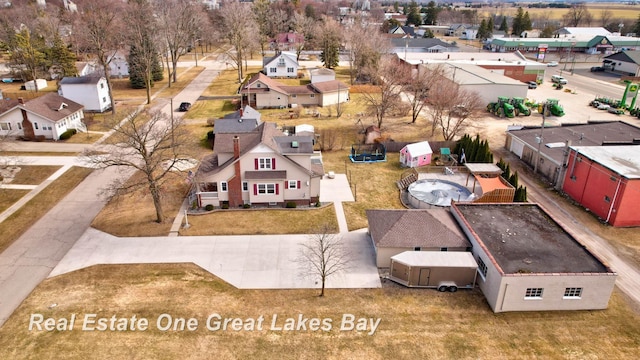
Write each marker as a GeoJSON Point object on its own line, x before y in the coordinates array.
{"type": "Point", "coordinates": [516, 147]}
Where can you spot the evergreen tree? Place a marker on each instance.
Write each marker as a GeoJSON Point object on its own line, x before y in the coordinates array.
{"type": "Point", "coordinates": [139, 59]}
{"type": "Point", "coordinates": [60, 57]}
{"type": "Point", "coordinates": [136, 72]}
{"type": "Point", "coordinates": [431, 14]}
{"type": "Point", "coordinates": [521, 194]}
{"type": "Point", "coordinates": [329, 55]}
{"type": "Point", "coordinates": [413, 14]}
{"type": "Point", "coordinates": [526, 22]}
{"type": "Point", "coordinates": [636, 27]}
{"type": "Point", "coordinates": [518, 23]}
{"type": "Point", "coordinates": [482, 31]}
{"type": "Point", "coordinates": [504, 26]}
{"type": "Point", "coordinates": [395, 6]}
{"type": "Point", "coordinates": [428, 34]}
{"type": "Point", "coordinates": [490, 27]}
{"type": "Point", "coordinates": [157, 70]}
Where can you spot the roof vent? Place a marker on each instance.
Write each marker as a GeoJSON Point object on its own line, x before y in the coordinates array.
{"type": "Point", "coordinates": [294, 144]}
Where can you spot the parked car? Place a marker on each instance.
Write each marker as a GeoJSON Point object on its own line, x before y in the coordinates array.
{"type": "Point", "coordinates": [552, 63]}
{"type": "Point", "coordinates": [604, 107]}
{"type": "Point", "coordinates": [615, 111]}
{"type": "Point", "coordinates": [559, 79]}
{"type": "Point", "coordinates": [532, 84]}
{"type": "Point", "coordinates": [185, 106]}
{"type": "Point", "coordinates": [597, 68]}
{"type": "Point", "coordinates": [594, 103]}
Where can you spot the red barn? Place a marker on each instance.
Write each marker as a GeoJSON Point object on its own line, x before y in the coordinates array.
{"type": "Point", "coordinates": [606, 181]}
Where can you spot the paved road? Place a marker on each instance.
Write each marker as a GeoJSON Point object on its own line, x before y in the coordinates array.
{"type": "Point", "coordinates": [30, 259]}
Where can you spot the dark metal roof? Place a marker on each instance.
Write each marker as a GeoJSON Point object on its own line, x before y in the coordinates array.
{"type": "Point", "coordinates": [80, 80]}
{"type": "Point", "coordinates": [522, 238]}
{"type": "Point", "coordinates": [590, 134]}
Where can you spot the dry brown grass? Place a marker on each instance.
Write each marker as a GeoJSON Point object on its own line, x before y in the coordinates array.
{"type": "Point", "coordinates": [34, 174]}
{"type": "Point", "coordinates": [8, 197]}
{"type": "Point", "coordinates": [618, 11]}
{"type": "Point", "coordinates": [16, 224]}
{"type": "Point", "coordinates": [123, 94]}
{"type": "Point", "coordinates": [134, 214]}
{"type": "Point", "coordinates": [262, 222]}
{"type": "Point", "coordinates": [227, 82]}
{"type": "Point", "coordinates": [416, 324]}
{"type": "Point", "coordinates": [103, 122]}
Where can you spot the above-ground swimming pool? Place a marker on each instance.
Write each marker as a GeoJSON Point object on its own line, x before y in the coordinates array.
{"type": "Point", "coordinates": [433, 192]}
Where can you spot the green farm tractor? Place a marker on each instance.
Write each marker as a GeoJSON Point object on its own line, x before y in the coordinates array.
{"type": "Point", "coordinates": [520, 107]}
{"type": "Point", "coordinates": [554, 108]}
{"type": "Point", "coordinates": [501, 108]}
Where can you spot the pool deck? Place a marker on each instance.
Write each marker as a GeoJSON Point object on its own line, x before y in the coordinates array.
{"type": "Point", "coordinates": [457, 177]}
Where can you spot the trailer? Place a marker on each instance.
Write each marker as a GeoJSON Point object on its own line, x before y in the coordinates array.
{"type": "Point", "coordinates": [442, 270]}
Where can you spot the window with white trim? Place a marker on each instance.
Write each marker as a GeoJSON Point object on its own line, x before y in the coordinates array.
{"type": "Point", "coordinates": [482, 267]}
{"type": "Point", "coordinates": [223, 186]}
{"type": "Point", "coordinates": [264, 163]}
{"type": "Point", "coordinates": [5, 126]}
{"type": "Point", "coordinates": [293, 184]}
{"type": "Point", "coordinates": [312, 95]}
{"type": "Point", "coordinates": [533, 293]}
{"type": "Point", "coordinates": [264, 189]}
{"type": "Point", "coordinates": [245, 186]}
{"type": "Point", "coordinates": [289, 69]}
{"type": "Point", "coordinates": [272, 70]}
{"type": "Point", "coordinates": [572, 293]}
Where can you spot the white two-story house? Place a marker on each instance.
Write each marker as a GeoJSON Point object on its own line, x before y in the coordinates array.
{"type": "Point", "coordinates": [283, 64]}
{"type": "Point", "coordinates": [90, 91]}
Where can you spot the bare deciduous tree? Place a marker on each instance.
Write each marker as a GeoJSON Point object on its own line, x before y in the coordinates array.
{"type": "Point", "coordinates": [365, 44]}
{"type": "Point", "coordinates": [323, 256]}
{"type": "Point", "coordinates": [238, 27]}
{"type": "Point", "coordinates": [179, 22]}
{"type": "Point", "coordinates": [450, 107]}
{"type": "Point", "coordinates": [150, 143]}
{"type": "Point", "coordinates": [418, 87]}
{"type": "Point", "coordinates": [605, 17]}
{"type": "Point", "coordinates": [576, 15]}
{"type": "Point", "coordinates": [140, 36]}
{"type": "Point", "coordinates": [383, 96]}
{"type": "Point", "coordinates": [101, 35]}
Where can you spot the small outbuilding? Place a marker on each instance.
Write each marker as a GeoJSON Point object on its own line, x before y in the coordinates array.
{"type": "Point", "coordinates": [31, 85]}
{"type": "Point", "coordinates": [416, 154]}
{"type": "Point", "coordinates": [444, 270]}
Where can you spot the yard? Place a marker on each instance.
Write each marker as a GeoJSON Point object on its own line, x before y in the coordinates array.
{"type": "Point", "coordinates": [414, 323]}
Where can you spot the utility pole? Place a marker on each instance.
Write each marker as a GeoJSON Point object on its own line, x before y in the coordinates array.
{"type": "Point", "coordinates": [540, 138]}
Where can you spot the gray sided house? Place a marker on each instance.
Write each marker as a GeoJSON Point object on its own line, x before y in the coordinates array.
{"type": "Point", "coordinates": [395, 231]}
{"type": "Point", "coordinates": [527, 261]}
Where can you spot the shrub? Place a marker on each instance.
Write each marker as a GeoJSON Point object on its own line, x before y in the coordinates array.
{"type": "Point", "coordinates": [246, 206]}
{"type": "Point", "coordinates": [209, 207]}
{"type": "Point", "coordinates": [67, 134]}
{"type": "Point", "coordinates": [291, 205]}
{"type": "Point", "coordinates": [225, 205]}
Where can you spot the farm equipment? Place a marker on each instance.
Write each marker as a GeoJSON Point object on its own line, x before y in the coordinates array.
{"type": "Point", "coordinates": [501, 108]}
{"type": "Point", "coordinates": [553, 108]}
{"type": "Point", "coordinates": [520, 106]}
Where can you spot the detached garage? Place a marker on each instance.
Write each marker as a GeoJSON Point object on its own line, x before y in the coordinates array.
{"type": "Point", "coordinates": [435, 269]}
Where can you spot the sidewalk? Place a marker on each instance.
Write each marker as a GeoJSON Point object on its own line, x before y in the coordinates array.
{"type": "Point", "coordinates": [30, 259]}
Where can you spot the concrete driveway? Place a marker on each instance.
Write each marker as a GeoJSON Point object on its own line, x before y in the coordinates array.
{"type": "Point", "coordinates": [246, 262]}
